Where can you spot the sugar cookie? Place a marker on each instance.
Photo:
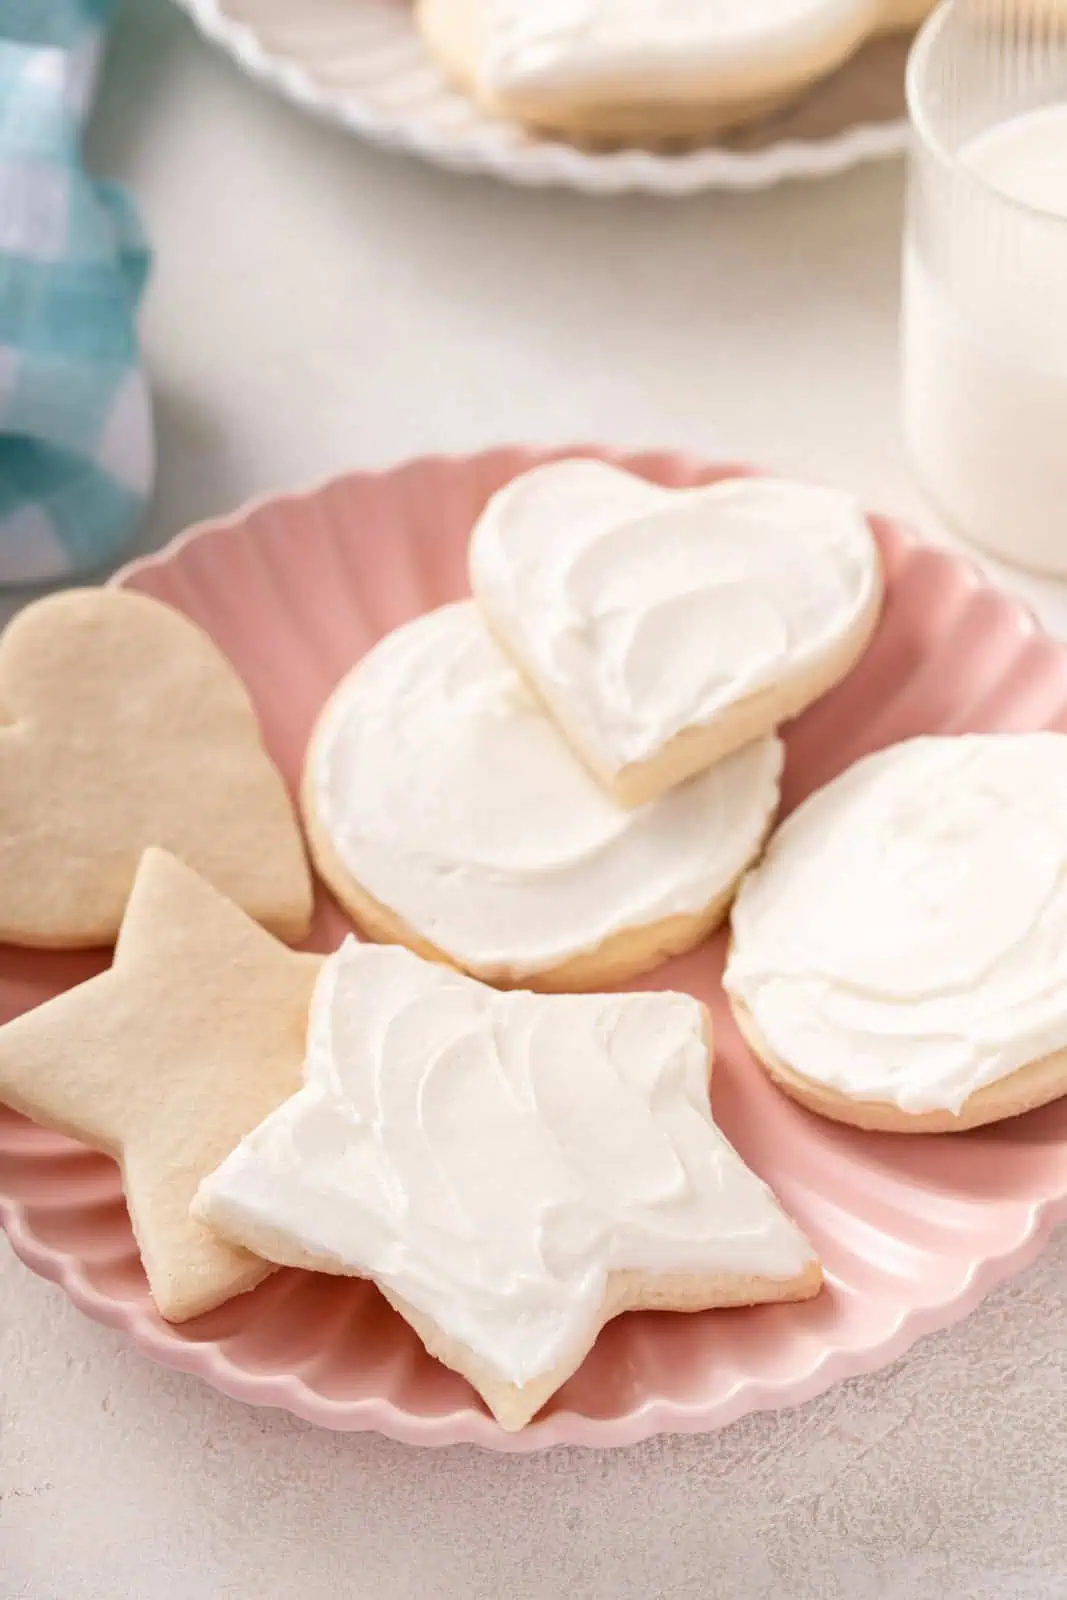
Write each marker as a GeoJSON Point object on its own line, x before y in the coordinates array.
{"type": "Point", "coordinates": [165, 1062]}
{"type": "Point", "coordinates": [647, 70]}
{"type": "Point", "coordinates": [665, 628]}
{"type": "Point", "coordinates": [126, 727]}
{"type": "Point", "coordinates": [899, 958]}
{"type": "Point", "coordinates": [446, 813]}
{"type": "Point", "coordinates": [512, 1170]}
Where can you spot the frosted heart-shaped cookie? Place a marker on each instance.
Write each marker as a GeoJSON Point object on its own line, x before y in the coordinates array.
{"type": "Point", "coordinates": [899, 957]}
{"type": "Point", "coordinates": [512, 1170]}
{"type": "Point", "coordinates": [124, 727]}
{"type": "Point", "coordinates": [446, 812]}
{"type": "Point", "coordinates": [640, 70]}
{"type": "Point", "coordinates": [665, 628]}
{"type": "Point", "coordinates": [165, 1062]}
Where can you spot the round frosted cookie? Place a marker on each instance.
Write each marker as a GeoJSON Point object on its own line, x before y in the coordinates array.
{"type": "Point", "coordinates": [665, 628]}
{"type": "Point", "coordinates": [446, 813]}
{"type": "Point", "coordinates": [645, 70]}
{"type": "Point", "coordinates": [899, 958]}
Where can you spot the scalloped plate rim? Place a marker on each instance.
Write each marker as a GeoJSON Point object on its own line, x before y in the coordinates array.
{"type": "Point", "coordinates": [549, 163]}
{"type": "Point", "coordinates": [288, 1393]}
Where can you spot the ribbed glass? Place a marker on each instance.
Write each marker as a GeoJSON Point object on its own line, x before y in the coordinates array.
{"type": "Point", "coordinates": [985, 280]}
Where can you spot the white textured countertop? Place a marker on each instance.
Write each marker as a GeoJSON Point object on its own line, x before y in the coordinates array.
{"type": "Point", "coordinates": [317, 305]}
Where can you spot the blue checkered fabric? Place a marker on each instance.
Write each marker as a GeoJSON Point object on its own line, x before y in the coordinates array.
{"type": "Point", "coordinates": [76, 442]}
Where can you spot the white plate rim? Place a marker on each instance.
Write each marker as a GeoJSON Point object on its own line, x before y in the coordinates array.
{"type": "Point", "coordinates": [547, 163]}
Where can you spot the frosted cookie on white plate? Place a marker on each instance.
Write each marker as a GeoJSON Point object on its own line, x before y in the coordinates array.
{"type": "Point", "coordinates": [899, 958]}
{"type": "Point", "coordinates": [642, 71]}
{"type": "Point", "coordinates": [665, 628]}
{"type": "Point", "coordinates": [512, 1170]}
{"type": "Point", "coordinates": [447, 813]}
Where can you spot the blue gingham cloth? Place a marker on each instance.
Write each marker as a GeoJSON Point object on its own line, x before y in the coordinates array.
{"type": "Point", "coordinates": [76, 444]}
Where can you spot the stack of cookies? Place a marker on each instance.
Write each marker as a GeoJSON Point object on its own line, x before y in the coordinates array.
{"type": "Point", "coordinates": [560, 783]}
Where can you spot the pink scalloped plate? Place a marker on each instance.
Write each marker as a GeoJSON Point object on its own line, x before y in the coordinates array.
{"type": "Point", "coordinates": [912, 1232]}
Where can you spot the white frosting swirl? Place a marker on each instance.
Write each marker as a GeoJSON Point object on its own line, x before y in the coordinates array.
{"type": "Point", "coordinates": [905, 937]}
{"type": "Point", "coordinates": [490, 1157]}
{"type": "Point", "coordinates": [640, 611]}
{"type": "Point", "coordinates": [560, 45]}
{"type": "Point", "coordinates": [449, 795]}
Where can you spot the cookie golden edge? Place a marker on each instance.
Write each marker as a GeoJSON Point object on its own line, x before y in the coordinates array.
{"type": "Point", "coordinates": [624, 955]}
{"type": "Point", "coordinates": [452, 31]}
{"type": "Point", "coordinates": [700, 746]}
{"type": "Point", "coordinates": [1037, 1083]}
{"type": "Point", "coordinates": [514, 1405]}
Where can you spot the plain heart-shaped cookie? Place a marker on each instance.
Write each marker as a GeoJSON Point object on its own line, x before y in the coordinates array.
{"type": "Point", "coordinates": [665, 628]}
{"type": "Point", "coordinates": [125, 727]}
{"type": "Point", "coordinates": [512, 1170]}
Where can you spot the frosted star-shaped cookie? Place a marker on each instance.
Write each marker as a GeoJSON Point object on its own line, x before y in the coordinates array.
{"type": "Point", "coordinates": [165, 1062]}
{"type": "Point", "coordinates": [512, 1170]}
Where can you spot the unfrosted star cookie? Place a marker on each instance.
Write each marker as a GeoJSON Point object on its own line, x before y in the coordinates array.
{"type": "Point", "coordinates": [665, 628]}
{"type": "Point", "coordinates": [512, 1170]}
{"type": "Point", "coordinates": [123, 727]}
{"type": "Point", "coordinates": [899, 958]}
{"type": "Point", "coordinates": [447, 813]}
{"type": "Point", "coordinates": [165, 1062]}
{"type": "Point", "coordinates": [647, 70]}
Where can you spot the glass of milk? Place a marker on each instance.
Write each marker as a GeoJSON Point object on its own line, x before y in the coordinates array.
{"type": "Point", "coordinates": [985, 274]}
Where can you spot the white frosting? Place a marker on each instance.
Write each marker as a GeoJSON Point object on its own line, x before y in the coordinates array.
{"type": "Point", "coordinates": [905, 937]}
{"type": "Point", "coordinates": [490, 1157]}
{"type": "Point", "coordinates": [640, 611]}
{"type": "Point", "coordinates": [561, 45]}
{"type": "Point", "coordinates": [449, 795]}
